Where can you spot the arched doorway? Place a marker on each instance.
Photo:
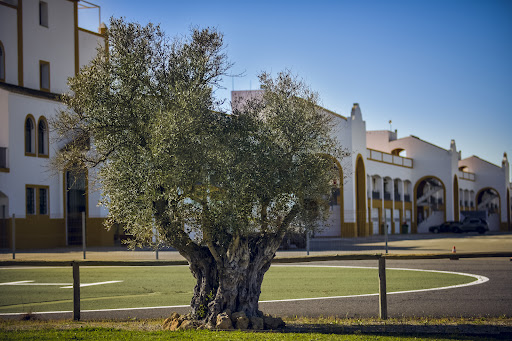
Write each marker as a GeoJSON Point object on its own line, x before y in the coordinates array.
{"type": "Point", "coordinates": [429, 203]}
{"type": "Point", "coordinates": [488, 199]}
{"type": "Point", "coordinates": [76, 203]}
{"type": "Point", "coordinates": [360, 197]}
{"type": "Point", "coordinates": [333, 226]}
{"type": "Point", "coordinates": [456, 207]}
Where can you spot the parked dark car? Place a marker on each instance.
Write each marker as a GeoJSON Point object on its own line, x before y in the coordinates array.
{"type": "Point", "coordinates": [472, 225]}
{"type": "Point", "coordinates": [444, 227]}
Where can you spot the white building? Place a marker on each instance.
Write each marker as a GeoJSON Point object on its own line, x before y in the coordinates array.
{"type": "Point", "coordinates": [42, 45]}
{"type": "Point", "coordinates": [383, 189]}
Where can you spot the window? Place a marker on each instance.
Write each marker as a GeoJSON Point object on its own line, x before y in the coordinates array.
{"type": "Point", "coordinates": [36, 199]}
{"type": "Point", "coordinates": [44, 75]}
{"type": "Point", "coordinates": [30, 138]}
{"type": "Point", "coordinates": [42, 137]}
{"type": "Point", "coordinates": [2, 63]}
{"type": "Point", "coordinates": [43, 13]}
{"type": "Point", "coordinates": [43, 201]}
{"type": "Point", "coordinates": [31, 200]}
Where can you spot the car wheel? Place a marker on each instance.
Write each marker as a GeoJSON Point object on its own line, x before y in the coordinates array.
{"type": "Point", "coordinates": [435, 230]}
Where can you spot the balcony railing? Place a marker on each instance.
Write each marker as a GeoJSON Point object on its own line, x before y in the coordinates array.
{"type": "Point", "coordinates": [407, 197]}
{"type": "Point", "coordinates": [467, 175]}
{"type": "Point", "coordinates": [375, 195]}
{"type": "Point", "coordinates": [375, 155]}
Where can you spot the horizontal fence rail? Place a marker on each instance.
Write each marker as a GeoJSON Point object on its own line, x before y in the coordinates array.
{"type": "Point", "coordinates": [381, 258]}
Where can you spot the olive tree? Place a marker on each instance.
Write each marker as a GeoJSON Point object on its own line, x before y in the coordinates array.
{"type": "Point", "coordinates": [222, 188]}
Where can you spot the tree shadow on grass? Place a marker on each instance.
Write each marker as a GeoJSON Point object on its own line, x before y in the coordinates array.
{"type": "Point", "coordinates": [431, 331]}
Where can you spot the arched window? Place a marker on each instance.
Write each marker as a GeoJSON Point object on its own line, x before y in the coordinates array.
{"type": "Point", "coordinates": [2, 62]}
{"type": "Point", "coordinates": [30, 136]}
{"type": "Point", "coordinates": [42, 137]}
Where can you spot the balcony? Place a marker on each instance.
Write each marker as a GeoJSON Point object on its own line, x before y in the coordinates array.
{"type": "Point", "coordinates": [466, 175]}
{"type": "Point", "coordinates": [376, 155]}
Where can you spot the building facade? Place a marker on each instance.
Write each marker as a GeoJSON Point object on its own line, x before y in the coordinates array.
{"type": "Point", "coordinates": [406, 185]}
{"type": "Point", "coordinates": [386, 182]}
{"type": "Point", "coordinates": [41, 46]}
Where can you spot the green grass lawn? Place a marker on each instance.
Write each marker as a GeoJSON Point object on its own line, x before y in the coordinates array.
{"type": "Point", "coordinates": [115, 334]}
{"type": "Point", "coordinates": [173, 285]}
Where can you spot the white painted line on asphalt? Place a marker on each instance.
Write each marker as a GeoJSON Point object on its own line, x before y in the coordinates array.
{"type": "Point", "coordinates": [91, 284]}
{"type": "Point", "coordinates": [33, 283]}
{"type": "Point", "coordinates": [479, 280]}
{"type": "Point", "coordinates": [66, 285]}
{"type": "Point", "coordinates": [15, 283]}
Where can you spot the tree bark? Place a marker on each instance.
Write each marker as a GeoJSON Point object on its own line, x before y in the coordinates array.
{"type": "Point", "coordinates": [233, 284]}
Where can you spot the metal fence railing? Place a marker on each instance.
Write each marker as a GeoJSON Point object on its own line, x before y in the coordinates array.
{"type": "Point", "coordinates": [381, 258]}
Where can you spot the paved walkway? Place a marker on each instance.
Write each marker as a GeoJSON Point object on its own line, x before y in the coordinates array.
{"type": "Point", "coordinates": [410, 243]}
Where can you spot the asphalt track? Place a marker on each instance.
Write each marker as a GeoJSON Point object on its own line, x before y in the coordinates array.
{"type": "Point", "coordinates": [492, 298]}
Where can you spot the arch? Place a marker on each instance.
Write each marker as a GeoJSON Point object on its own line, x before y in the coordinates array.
{"type": "Point", "coordinates": [388, 187]}
{"type": "Point", "coordinates": [484, 196]}
{"type": "Point", "coordinates": [2, 62]}
{"type": "Point", "coordinates": [397, 151]}
{"type": "Point", "coordinates": [42, 137]}
{"type": "Point", "coordinates": [360, 197]}
{"type": "Point", "coordinates": [30, 135]}
{"type": "Point", "coordinates": [456, 207]}
{"type": "Point", "coordinates": [488, 198]}
{"type": "Point", "coordinates": [418, 189]}
{"type": "Point", "coordinates": [338, 190]}
{"type": "Point", "coordinates": [397, 189]}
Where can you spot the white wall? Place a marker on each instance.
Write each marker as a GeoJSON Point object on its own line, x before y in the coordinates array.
{"type": "Point", "coordinates": [54, 44]}
{"type": "Point", "coordinates": [9, 39]}
{"type": "Point", "coordinates": [30, 170]}
{"type": "Point", "coordinates": [87, 46]}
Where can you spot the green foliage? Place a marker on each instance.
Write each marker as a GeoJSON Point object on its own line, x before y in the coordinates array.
{"type": "Point", "coordinates": [144, 115]}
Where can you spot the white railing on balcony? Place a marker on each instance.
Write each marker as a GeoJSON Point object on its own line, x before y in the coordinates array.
{"type": "Point", "coordinates": [467, 175]}
{"type": "Point", "coordinates": [375, 155]}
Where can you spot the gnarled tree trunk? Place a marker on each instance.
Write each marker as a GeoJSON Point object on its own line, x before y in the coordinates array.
{"type": "Point", "coordinates": [231, 281]}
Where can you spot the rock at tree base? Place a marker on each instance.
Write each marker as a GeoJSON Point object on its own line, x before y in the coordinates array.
{"type": "Point", "coordinates": [257, 323]}
{"type": "Point", "coordinates": [273, 322]}
{"type": "Point", "coordinates": [188, 324]}
{"type": "Point", "coordinates": [224, 322]}
{"type": "Point", "coordinates": [171, 324]}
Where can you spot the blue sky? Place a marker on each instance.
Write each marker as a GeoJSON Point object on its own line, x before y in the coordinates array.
{"type": "Point", "coordinates": [439, 69]}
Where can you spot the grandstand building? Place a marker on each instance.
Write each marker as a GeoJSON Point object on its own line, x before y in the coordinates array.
{"type": "Point", "coordinates": [388, 182]}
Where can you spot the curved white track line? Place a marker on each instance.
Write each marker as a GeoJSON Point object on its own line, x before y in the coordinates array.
{"type": "Point", "coordinates": [478, 280]}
